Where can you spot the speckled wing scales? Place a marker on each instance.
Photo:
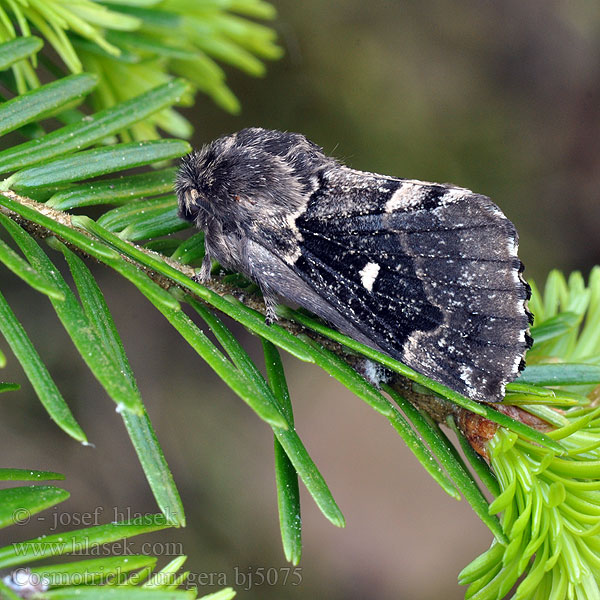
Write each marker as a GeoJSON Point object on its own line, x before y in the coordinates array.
{"type": "Point", "coordinates": [427, 273]}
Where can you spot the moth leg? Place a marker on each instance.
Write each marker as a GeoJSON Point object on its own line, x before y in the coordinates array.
{"type": "Point", "coordinates": [271, 301]}
{"type": "Point", "coordinates": [203, 275]}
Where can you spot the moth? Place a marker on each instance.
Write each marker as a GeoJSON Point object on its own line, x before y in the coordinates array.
{"type": "Point", "coordinates": [427, 273]}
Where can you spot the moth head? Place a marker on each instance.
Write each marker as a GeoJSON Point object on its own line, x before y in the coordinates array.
{"type": "Point", "coordinates": [238, 177]}
{"type": "Point", "coordinates": [190, 189]}
{"type": "Point", "coordinates": [211, 181]}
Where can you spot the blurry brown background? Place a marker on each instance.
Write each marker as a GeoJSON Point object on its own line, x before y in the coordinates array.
{"type": "Point", "coordinates": [502, 97]}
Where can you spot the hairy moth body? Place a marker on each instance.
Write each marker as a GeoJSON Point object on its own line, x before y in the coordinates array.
{"type": "Point", "coordinates": [425, 272]}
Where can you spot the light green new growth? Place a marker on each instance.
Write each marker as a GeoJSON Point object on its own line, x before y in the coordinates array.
{"type": "Point", "coordinates": [136, 46]}
{"type": "Point", "coordinates": [550, 505]}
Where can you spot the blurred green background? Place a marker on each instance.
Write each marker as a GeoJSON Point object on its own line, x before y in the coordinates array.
{"type": "Point", "coordinates": [502, 97]}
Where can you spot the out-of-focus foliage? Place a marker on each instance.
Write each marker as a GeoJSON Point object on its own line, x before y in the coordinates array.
{"type": "Point", "coordinates": [137, 45]}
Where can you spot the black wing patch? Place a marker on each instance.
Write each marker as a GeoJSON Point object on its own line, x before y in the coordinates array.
{"type": "Point", "coordinates": [428, 273]}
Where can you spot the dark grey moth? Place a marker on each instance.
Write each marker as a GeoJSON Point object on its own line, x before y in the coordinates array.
{"type": "Point", "coordinates": [425, 272]}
